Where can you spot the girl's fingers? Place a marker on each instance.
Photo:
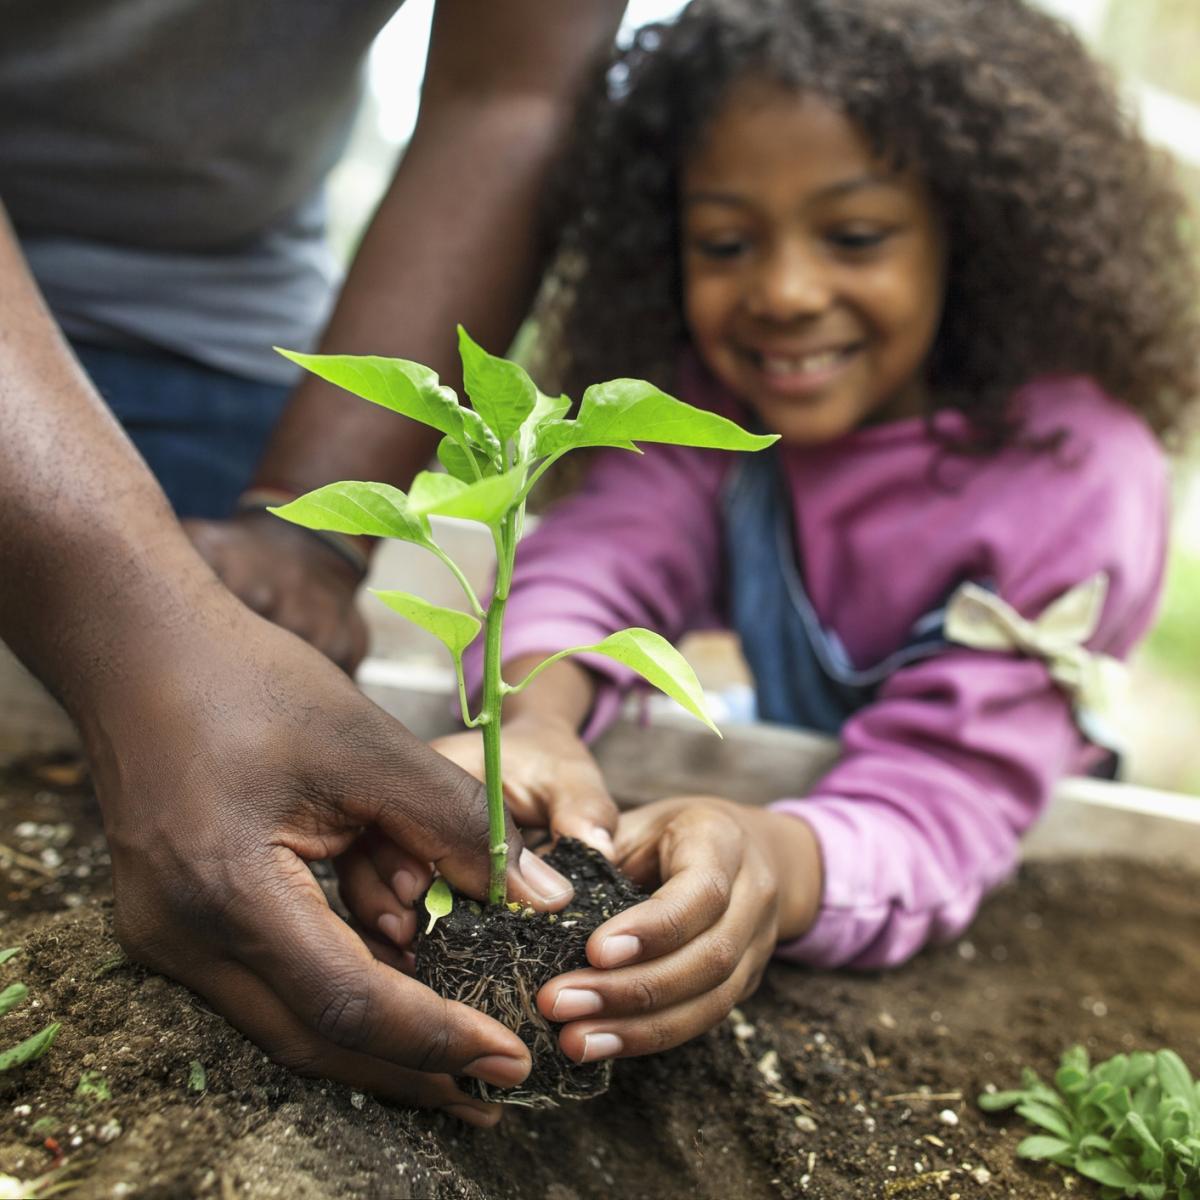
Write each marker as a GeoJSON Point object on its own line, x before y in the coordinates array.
{"type": "Point", "coordinates": [700, 854]}
{"type": "Point", "coordinates": [591, 1039]}
{"type": "Point", "coordinates": [572, 802]}
{"type": "Point", "coordinates": [372, 901]}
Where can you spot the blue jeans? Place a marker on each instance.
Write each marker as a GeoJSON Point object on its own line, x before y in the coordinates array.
{"type": "Point", "coordinates": [202, 431]}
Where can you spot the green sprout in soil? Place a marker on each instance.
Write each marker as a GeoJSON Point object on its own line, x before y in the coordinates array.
{"type": "Point", "coordinates": [37, 1044]}
{"type": "Point", "coordinates": [1132, 1123]}
{"type": "Point", "coordinates": [494, 453]}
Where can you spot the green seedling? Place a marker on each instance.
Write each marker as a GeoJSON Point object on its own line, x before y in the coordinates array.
{"type": "Point", "coordinates": [93, 1086]}
{"type": "Point", "coordinates": [494, 453]}
{"type": "Point", "coordinates": [37, 1044]}
{"type": "Point", "coordinates": [197, 1076]}
{"type": "Point", "coordinates": [1132, 1123]}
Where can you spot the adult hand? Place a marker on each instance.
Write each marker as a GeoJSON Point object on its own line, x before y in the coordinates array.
{"type": "Point", "coordinates": [241, 756]}
{"type": "Point", "coordinates": [289, 576]}
{"type": "Point", "coordinates": [732, 881]}
{"type": "Point", "coordinates": [551, 782]}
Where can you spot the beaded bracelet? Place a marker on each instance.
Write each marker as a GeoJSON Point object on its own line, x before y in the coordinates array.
{"type": "Point", "coordinates": [347, 547]}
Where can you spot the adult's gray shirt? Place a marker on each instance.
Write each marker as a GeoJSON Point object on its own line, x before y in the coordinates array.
{"type": "Point", "coordinates": [163, 162]}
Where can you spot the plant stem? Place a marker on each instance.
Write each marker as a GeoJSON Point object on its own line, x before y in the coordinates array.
{"type": "Point", "coordinates": [493, 699]}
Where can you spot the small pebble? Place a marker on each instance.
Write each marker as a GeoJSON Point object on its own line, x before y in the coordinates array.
{"type": "Point", "coordinates": [948, 1116]}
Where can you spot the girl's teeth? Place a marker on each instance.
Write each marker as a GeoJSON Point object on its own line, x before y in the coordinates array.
{"type": "Point", "coordinates": [775, 365]}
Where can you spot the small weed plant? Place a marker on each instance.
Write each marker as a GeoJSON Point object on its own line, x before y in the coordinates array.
{"type": "Point", "coordinates": [494, 452]}
{"type": "Point", "coordinates": [1132, 1123]}
{"type": "Point", "coordinates": [36, 1044]}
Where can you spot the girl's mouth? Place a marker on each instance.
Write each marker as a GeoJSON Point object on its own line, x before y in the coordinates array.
{"type": "Point", "coordinates": [800, 374]}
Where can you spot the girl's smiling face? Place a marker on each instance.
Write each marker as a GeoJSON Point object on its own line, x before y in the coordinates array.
{"type": "Point", "coordinates": [813, 271]}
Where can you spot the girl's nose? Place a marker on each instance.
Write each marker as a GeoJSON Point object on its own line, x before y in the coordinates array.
{"type": "Point", "coordinates": [788, 284]}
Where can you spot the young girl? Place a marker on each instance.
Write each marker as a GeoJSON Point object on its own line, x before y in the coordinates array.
{"type": "Point", "coordinates": [922, 242]}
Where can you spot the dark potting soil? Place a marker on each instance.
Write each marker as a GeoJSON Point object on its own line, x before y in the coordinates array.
{"type": "Point", "coordinates": [827, 1086]}
{"type": "Point", "coordinates": [497, 958]}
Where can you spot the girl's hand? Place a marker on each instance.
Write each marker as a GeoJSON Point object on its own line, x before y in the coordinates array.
{"type": "Point", "coordinates": [735, 881]}
{"type": "Point", "coordinates": [551, 782]}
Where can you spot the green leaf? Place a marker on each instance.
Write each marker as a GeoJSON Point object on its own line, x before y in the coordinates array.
{"type": "Point", "coordinates": [197, 1076]}
{"type": "Point", "coordinates": [93, 1086]}
{"type": "Point", "coordinates": [457, 460]}
{"type": "Point", "coordinates": [996, 1101]}
{"type": "Point", "coordinates": [1048, 1116]}
{"type": "Point", "coordinates": [1106, 1171]}
{"type": "Point", "coordinates": [547, 409]}
{"type": "Point", "coordinates": [624, 411]}
{"type": "Point", "coordinates": [1176, 1081]}
{"type": "Point", "coordinates": [31, 1048]}
{"type": "Point", "coordinates": [457, 630]}
{"type": "Point", "coordinates": [486, 501]}
{"type": "Point", "coordinates": [5, 955]}
{"type": "Point", "coordinates": [439, 901]}
{"type": "Point", "coordinates": [407, 388]}
{"type": "Point", "coordinates": [373, 509]}
{"type": "Point", "coordinates": [1044, 1147]}
{"type": "Point", "coordinates": [658, 662]}
{"type": "Point", "coordinates": [12, 995]}
{"type": "Point", "coordinates": [501, 391]}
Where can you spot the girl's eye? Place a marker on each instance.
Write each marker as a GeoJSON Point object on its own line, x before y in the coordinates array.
{"type": "Point", "coordinates": [858, 239]}
{"type": "Point", "coordinates": [719, 248]}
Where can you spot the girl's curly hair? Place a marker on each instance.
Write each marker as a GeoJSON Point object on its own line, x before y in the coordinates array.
{"type": "Point", "coordinates": [1069, 241]}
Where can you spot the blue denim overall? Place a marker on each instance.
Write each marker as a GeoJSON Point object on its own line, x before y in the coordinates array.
{"type": "Point", "coordinates": [802, 673]}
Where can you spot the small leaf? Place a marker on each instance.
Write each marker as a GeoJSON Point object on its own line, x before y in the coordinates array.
{"type": "Point", "coordinates": [501, 391]}
{"type": "Point", "coordinates": [456, 630]}
{"type": "Point", "coordinates": [1177, 1081]}
{"type": "Point", "coordinates": [457, 460]}
{"type": "Point", "coordinates": [439, 901]}
{"type": "Point", "coordinates": [93, 1086]}
{"type": "Point", "coordinates": [996, 1101]}
{"type": "Point", "coordinates": [197, 1076]}
{"type": "Point", "coordinates": [486, 501]}
{"type": "Point", "coordinates": [1048, 1116]}
{"type": "Point", "coordinates": [5, 955]}
{"type": "Point", "coordinates": [625, 411]}
{"type": "Point", "coordinates": [370, 509]}
{"type": "Point", "coordinates": [1106, 1171]}
{"type": "Point", "coordinates": [658, 662]}
{"type": "Point", "coordinates": [547, 409]}
{"type": "Point", "coordinates": [12, 995]}
{"type": "Point", "coordinates": [30, 1049]}
{"type": "Point", "coordinates": [1044, 1147]}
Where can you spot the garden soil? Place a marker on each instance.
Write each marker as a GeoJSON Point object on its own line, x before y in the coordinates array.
{"type": "Point", "coordinates": [827, 1086]}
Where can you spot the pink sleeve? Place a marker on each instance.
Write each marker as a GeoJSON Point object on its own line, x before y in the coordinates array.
{"type": "Point", "coordinates": [638, 544]}
{"type": "Point", "coordinates": [958, 755]}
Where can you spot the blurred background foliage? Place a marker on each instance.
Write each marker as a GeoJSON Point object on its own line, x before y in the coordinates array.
{"type": "Point", "coordinates": [1154, 47]}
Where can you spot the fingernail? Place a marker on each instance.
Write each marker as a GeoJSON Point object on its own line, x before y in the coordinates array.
{"type": "Point", "coordinates": [600, 839]}
{"type": "Point", "coordinates": [406, 885]}
{"type": "Point", "coordinates": [619, 948]}
{"type": "Point", "coordinates": [601, 1045]}
{"type": "Point", "coordinates": [392, 927]}
{"type": "Point", "coordinates": [576, 1002]}
{"type": "Point", "coordinates": [498, 1069]}
{"type": "Point", "coordinates": [543, 878]}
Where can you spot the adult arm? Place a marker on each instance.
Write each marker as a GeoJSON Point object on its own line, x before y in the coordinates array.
{"type": "Point", "coordinates": [455, 240]}
{"type": "Point", "coordinates": [225, 752]}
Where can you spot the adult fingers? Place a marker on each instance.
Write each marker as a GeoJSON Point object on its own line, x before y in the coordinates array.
{"type": "Point", "coordinates": [408, 877]}
{"type": "Point", "coordinates": [370, 898]}
{"type": "Point", "coordinates": [312, 961]}
{"type": "Point", "coordinates": [254, 1009]}
{"type": "Point", "coordinates": [439, 814]}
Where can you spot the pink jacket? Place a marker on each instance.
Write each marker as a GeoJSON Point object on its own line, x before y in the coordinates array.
{"type": "Point", "coordinates": [957, 755]}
